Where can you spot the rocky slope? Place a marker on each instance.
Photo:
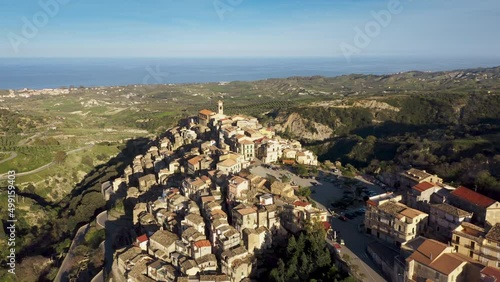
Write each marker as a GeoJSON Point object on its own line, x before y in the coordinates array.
{"type": "Point", "coordinates": [299, 126]}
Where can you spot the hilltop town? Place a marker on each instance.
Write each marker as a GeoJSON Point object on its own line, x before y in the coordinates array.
{"type": "Point", "coordinates": [199, 213]}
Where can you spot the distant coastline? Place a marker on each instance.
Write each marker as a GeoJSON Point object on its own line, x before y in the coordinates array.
{"type": "Point", "coordinates": [54, 73]}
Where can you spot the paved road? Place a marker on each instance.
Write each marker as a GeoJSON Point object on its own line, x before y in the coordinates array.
{"type": "Point", "coordinates": [12, 155]}
{"type": "Point", "coordinates": [79, 237]}
{"type": "Point", "coordinates": [2, 176]}
{"type": "Point", "coordinates": [99, 277]}
{"type": "Point", "coordinates": [102, 218]}
{"type": "Point", "coordinates": [355, 246]}
{"type": "Point", "coordinates": [62, 274]}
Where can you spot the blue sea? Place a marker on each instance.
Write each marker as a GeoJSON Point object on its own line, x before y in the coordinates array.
{"type": "Point", "coordinates": [39, 73]}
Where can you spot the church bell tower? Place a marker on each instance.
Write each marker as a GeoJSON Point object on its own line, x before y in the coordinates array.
{"type": "Point", "coordinates": [220, 109]}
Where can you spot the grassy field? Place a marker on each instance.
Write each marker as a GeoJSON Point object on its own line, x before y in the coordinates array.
{"type": "Point", "coordinates": [56, 181]}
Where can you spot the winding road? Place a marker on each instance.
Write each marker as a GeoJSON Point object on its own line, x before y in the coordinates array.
{"type": "Point", "coordinates": [36, 170]}
{"type": "Point", "coordinates": [62, 274]}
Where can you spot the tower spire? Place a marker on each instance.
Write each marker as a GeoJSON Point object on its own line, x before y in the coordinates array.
{"type": "Point", "coordinates": [220, 109]}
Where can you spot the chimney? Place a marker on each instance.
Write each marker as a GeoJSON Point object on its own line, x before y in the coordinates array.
{"type": "Point", "coordinates": [431, 256]}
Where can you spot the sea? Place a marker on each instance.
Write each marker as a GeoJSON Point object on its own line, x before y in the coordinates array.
{"type": "Point", "coordinates": [41, 73]}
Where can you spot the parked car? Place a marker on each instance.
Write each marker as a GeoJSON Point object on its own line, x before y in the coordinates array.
{"type": "Point", "coordinates": [338, 248]}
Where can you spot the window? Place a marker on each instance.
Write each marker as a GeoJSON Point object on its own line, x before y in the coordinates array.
{"type": "Point", "coordinates": [457, 240]}
{"type": "Point", "coordinates": [471, 253]}
{"type": "Point", "coordinates": [437, 276]}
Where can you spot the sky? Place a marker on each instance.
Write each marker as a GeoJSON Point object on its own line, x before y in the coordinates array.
{"type": "Point", "coordinates": [248, 28]}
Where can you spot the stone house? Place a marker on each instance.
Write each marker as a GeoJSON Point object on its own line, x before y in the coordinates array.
{"type": "Point", "coordinates": [486, 211]}
{"type": "Point", "coordinates": [413, 176]}
{"type": "Point", "coordinates": [282, 189]}
{"type": "Point", "coordinates": [420, 196]}
{"type": "Point", "coordinates": [244, 218]}
{"type": "Point", "coordinates": [444, 218]}
{"type": "Point", "coordinates": [435, 261]}
{"type": "Point", "coordinates": [193, 220]}
{"type": "Point", "coordinates": [162, 244]}
{"type": "Point", "coordinates": [200, 248]}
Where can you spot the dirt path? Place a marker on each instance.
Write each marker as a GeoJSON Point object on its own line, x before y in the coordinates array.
{"type": "Point", "coordinates": [12, 155]}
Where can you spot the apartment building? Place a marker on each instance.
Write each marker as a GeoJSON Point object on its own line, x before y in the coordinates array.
{"type": "Point", "coordinates": [477, 243]}
{"type": "Point", "coordinates": [444, 218]}
{"type": "Point", "coordinates": [394, 222]}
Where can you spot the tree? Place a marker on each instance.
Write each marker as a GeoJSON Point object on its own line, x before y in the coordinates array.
{"type": "Point", "coordinates": [87, 160]}
{"type": "Point", "coordinates": [278, 274]}
{"type": "Point", "coordinates": [304, 192]}
{"type": "Point", "coordinates": [60, 157]}
{"type": "Point", "coordinates": [292, 246]}
{"type": "Point", "coordinates": [301, 170]}
{"type": "Point", "coordinates": [285, 178]}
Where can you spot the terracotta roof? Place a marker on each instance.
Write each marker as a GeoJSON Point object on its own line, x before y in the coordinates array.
{"type": "Point", "coordinates": [421, 187]}
{"type": "Point", "coordinates": [411, 213]}
{"type": "Point", "coordinates": [416, 174]}
{"type": "Point", "coordinates": [246, 211]}
{"type": "Point", "coordinates": [202, 243]}
{"type": "Point", "coordinates": [473, 197]}
{"type": "Point", "coordinates": [430, 253]}
{"type": "Point", "coordinates": [429, 248]}
{"type": "Point", "coordinates": [491, 272]}
{"type": "Point", "coordinates": [238, 179]}
{"type": "Point", "coordinates": [301, 204]}
{"type": "Point", "coordinates": [469, 225]}
{"type": "Point", "coordinates": [494, 233]}
{"type": "Point", "coordinates": [227, 163]}
{"type": "Point", "coordinates": [447, 263]}
{"type": "Point", "coordinates": [245, 142]}
{"type": "Point", "coordinates": [215, 212]}
{"type": "Point", "coordinates": [452, 210]}
{"type": "Point", "coordinates": [142, 238]}
{"type": "Point", "coordinates": [205, 199]}
{"type": "Point", "coordinates": [164, 238]}
{"type": "Point", "coordinates": [206, 112]}
{"type": "Point", "coordinates": [195, 160]}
